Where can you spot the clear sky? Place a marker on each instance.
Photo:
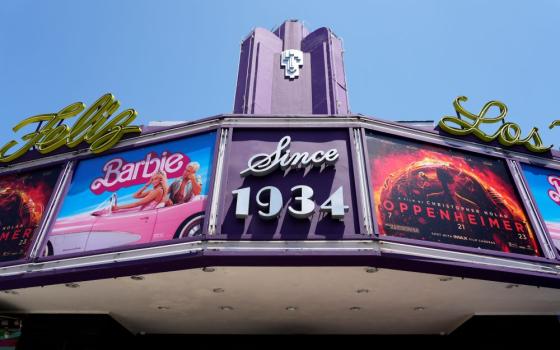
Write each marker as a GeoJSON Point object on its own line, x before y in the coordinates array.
{"type": "Point", "coordinates": [177, 60]}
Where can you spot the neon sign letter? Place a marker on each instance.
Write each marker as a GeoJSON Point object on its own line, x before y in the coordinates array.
{"type": "Point", "coordinates": [92, 127]}
{"type": "Point", "coordinates": [508, 134]}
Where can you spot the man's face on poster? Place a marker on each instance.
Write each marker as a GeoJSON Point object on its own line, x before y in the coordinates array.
{"type": "Point", "coordinates": [190, 169]}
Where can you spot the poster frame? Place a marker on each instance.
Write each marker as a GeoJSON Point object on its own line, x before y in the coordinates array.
{"type": "Point", "coordinates": [524, 185]}
{"type": "Point", "coordinates": [129, 247]}
{"type": "Point", "coordinates": [221, 235]}
{"type": "Point", "coordinates": [448, 246]}
{"type": "Point", "coordinates": [50, 206]}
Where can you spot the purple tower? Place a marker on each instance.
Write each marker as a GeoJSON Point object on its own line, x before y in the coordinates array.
{"type": "Point", "coordinates": [291, 71]}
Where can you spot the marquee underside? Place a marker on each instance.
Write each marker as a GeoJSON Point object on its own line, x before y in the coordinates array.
{"type": "Point", "coordinates": [302, 300]}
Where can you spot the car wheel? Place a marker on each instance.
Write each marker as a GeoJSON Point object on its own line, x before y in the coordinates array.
{"type": "Point", "coordinates": [191, 227]}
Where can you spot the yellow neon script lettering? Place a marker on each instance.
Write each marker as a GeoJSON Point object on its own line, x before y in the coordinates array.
{"type": "Point", "coordinates": [554, 124]}
{"type": "Point", "coordinates": [509, 134]}
{"type": "Point", "coordinates": [91, 127]}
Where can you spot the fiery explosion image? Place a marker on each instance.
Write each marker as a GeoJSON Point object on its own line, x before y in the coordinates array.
{"type": "Point", "coordinates": [23, 198]}
{"type": "Point", "coordinates": [429, 193]}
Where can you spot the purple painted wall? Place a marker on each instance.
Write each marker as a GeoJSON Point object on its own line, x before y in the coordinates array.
{"type": "Point", "coordinates": [262, 87]}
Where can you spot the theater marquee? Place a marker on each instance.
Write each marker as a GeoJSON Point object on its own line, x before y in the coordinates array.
{"type": "Point", "coordinates": [368, 192]}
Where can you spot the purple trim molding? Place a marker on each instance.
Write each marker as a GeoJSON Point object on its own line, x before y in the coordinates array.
{"type": "Point", "coordinates": [218, 258]}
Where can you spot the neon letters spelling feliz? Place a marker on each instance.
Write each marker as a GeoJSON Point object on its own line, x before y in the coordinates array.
{"type": "Point", "coordinates": [118, 173]}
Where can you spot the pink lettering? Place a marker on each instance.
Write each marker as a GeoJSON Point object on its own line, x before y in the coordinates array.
{"type": "Point", "coordinates": [493, 222]}
{"type": "Point", "coordinates": [403, 207]}
{"type": "Point", "coordinates": [554, 194]}
{"type": "Point", "coordinates": [118, 173]}
{"type": "Point", "coordinates": [388, 205]}
{"type": "Point", "coordinates": [431, 213]}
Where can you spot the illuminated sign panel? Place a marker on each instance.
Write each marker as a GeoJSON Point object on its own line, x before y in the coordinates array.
{"type": "Point", "coordinates": [544, 184]}
{"type": "Point", "coordinates": [23, 202]}
{"type": "Point", "coordinates": [436, 194]}
{"type": "Point", "coordinates": [289, 184]}
{"type": "Point", "coordinates": [149, 194]}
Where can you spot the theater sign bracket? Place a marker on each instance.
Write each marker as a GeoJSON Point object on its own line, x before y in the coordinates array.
{"type": "Point", "coordinates": [269, 198]}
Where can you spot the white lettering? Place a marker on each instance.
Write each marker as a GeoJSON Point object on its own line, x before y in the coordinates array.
{"type": "Point", "coordinates": [174, 163]}
{"type": "Point", "coordinates": [263, 164]}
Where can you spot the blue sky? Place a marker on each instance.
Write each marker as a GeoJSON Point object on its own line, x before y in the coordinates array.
{"type": "Point", "coordinates": [177, 60]}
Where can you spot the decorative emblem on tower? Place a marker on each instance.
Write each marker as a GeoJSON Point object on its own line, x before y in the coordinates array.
{"type": "Point", "coordinates": [291, 61]}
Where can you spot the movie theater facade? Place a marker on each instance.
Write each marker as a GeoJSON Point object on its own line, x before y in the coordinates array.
{"type": "Point", "coordinates": [290, 215]}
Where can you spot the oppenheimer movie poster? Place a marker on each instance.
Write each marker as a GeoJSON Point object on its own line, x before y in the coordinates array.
{"type": "Point", "coordinates": [23, 199]}
{"type": "Point", "coordinates": [430, 193]}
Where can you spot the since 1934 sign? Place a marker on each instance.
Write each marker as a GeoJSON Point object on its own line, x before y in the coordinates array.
{"type": "Point", "coordinates": [289, 185]}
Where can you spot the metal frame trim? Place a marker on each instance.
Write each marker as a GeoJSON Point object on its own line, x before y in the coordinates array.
{"type": "Point", "coordinates": [534, 211]}
{"type": "Point", "coordinates": [58, 194]}
{"type": "Point", "coordinates": [218, 180]}
{"type": "Point", "coordinates": [446, 255]}
{"type": "Point", "coordinates": [371, 247]}
{"type": "Point", "coordinates": [362, 181]}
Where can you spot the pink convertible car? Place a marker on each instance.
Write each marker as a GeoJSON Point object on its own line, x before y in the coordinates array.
{"type": "Point", "coordinates": [105, 228]}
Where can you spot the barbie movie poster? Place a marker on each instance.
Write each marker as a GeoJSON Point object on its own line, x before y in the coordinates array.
{"type": "Point", "coordinates": [545, 187]}
{"type": "Point", "coordinates": [148, 194]}
{"type": "Point", "coordinates": [436, 194]}
{"type": "Point", "coordinates": [23, 200]}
